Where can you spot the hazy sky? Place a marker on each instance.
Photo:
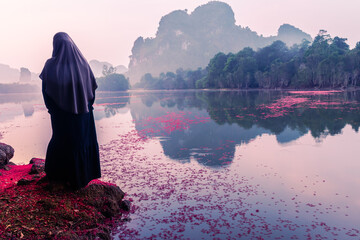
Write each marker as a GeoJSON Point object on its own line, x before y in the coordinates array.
{"type": "Point", "coordinates": [106, 29]}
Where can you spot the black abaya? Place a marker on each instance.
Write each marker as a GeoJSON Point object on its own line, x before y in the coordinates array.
{"type": "Point", "coordinates": [72, 155]}
{"type": "Point", "coordinates": [69, 85]}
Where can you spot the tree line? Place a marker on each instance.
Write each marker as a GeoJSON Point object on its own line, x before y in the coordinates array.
{"type": "Point", "coordinates": [325, 63]}
{"type": "Point", "coordinates": [112, 81]}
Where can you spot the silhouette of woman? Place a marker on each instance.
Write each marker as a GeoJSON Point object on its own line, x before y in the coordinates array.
{"type": "Point", "coordinates": [68, 87]}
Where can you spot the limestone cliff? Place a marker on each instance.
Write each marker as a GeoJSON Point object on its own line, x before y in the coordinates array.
{"type": "Point", "coordinates": [189, 41]}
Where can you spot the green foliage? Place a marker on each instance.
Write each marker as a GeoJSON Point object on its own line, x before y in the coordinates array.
{"type": "Point", "coordinates": [108, 70]}
{"type": "Point", "coordinates": [216, 70]}
{"type": "Point", "coordinates": [113, 82]}
{"type": "Point", "coordinates": [326, 63]}
{"type": "Point", "coordinates": [180, 80]}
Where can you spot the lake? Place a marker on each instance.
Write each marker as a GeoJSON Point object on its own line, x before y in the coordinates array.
{"type": "Point", "coordinates": [218, 164]}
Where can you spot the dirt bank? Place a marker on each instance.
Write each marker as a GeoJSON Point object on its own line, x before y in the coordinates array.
{"type": "Point", "coordinates": [32, 208]}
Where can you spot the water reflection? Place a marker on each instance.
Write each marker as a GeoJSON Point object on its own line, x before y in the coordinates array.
{"type": "Point", "coordinates": [108, 104]}
{"type": "Point", "coordinates": [28, 109]}
{"type": "Point", "coordinates": [260, 167]}
{"type": "Point", "coordinates": [25, 117]}
{"type": "Point", "coordinates": [207, 126]}
{"type": "Point", "coordinates": [14, 105]}
{"type": "Point", "coordinates": [20, 98]}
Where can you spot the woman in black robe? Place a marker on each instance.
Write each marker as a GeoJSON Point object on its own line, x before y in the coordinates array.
{"type": "Point", "coordinates": [68, 87]}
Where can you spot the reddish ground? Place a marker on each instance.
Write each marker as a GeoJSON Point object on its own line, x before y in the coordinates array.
{"type": "Point", "coordinates": [34, 211]}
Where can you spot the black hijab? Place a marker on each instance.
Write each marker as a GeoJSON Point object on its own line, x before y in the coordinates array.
{"type": "Point", "coordinates": [67, 77]}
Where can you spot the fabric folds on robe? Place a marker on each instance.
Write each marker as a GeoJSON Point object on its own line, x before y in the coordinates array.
{"type": "Point", "coordinates": [67, 76]}
{"type": "Point", "coordinates": [72, 155]}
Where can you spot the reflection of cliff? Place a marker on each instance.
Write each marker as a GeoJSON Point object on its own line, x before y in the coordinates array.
{"type": "Point", "coordinates": [206, 126]}
{"type": "Point", "coordinates": [185, 131]}
{"type": "Point", "coordinates": [209, 143]}
{"type": "Point", "coordinates": [289, 135]}
{"type": "Point", "coordinates": [28, 109]}
{"type": "Point", "coordinates": [190, 40]}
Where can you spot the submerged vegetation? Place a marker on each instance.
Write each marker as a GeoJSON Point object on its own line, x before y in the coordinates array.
{"type": "Point", "coordinates": [325, 63]}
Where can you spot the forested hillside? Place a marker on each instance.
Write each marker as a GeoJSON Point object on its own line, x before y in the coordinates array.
{"type": "Point", "coordinates": [325, 63]}
{"type": "Point", "coordinates": [189, 41]}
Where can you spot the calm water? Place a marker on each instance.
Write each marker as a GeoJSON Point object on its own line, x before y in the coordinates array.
{"type": "Point", "coordinates": [219, 164]}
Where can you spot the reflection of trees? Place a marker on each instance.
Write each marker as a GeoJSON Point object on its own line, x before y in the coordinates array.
{"type": "Point", "coordinates": [112, 102]}
{"type": "Point", "coordinates": [208, 143]}
{"type": "Point", "coordinates": [180, 100]}
{"type": "Point", "coordinates": [110, 111]}
{"type": "Point", "coordinates": [335, 111]}
{"type": "Point", "coordinates": [239, 116]}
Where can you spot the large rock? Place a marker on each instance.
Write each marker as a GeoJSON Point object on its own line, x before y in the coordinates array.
{"type": "Point", "coordinates": [38, 165]}
{"type": "Point", "coordinates": [107, 198]}
{"type": "Point", "coordinates": [25, 75]}
{"type": "Point", "coordinates": [6, 153]}
{"type": "Point", "coordinates": [81, 214]}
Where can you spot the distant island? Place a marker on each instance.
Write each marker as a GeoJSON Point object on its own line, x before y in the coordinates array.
{"type": "Point", "coordinates": [189, 41]}
{"type": "Point", "coordinates": [21, 80]}
{"type": "Point", "coordinates": [325, 63]}
{"type": "Point", "coordinates": [10, 75]}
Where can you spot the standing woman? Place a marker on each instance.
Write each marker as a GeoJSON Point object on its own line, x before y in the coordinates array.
{"type": "Point", "coordinates": [68, 87]}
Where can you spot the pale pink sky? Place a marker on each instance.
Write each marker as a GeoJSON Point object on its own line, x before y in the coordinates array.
{"type": "Point", "coordinates": [106, 29]}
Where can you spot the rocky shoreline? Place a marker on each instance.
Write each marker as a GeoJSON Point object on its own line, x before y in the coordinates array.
{"type": "Point", "coordinates": [33, 208]}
